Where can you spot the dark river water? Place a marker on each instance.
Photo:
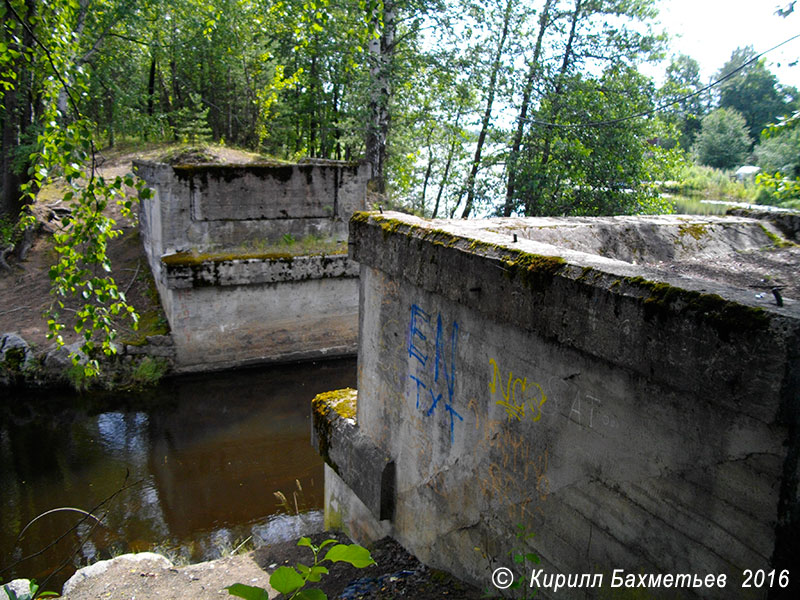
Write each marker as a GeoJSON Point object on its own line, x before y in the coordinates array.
{"type": "Point", "coordinates": [189, 469]}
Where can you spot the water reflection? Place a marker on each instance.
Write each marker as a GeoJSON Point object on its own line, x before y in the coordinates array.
{"type": "Point", "coordinates": [201, 458]}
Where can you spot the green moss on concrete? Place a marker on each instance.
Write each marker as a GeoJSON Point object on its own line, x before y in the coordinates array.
{"type": "Point", "coordinates": [389, 226]}
{"type": "Point", "coordinates": [535, 271]}
{"type": "Point", "coordinates": [693, 230]}
{"type": "Point", "coordinates": [777, 241]}
{"type": "Point", "coordinates": [727, 317]}
{"type": "Point", "coordinates": [360, 217]}
{"type": "Point", "coordinates": [333, 519]}
{"type": "Point", "coordinates": [326, 408]}
{"type": "Point", "coordinates": [188, 259]}
{"type": "Point", "coordinates": [152, 320]}
{"type": "Point", "coordinates": [342, 402]}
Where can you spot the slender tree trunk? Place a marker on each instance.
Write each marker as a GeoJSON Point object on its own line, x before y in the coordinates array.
{"type": "Point", "coordinates": [533, 72]}
{"type": "Point", "coordinates": [110, 117]}
{"type": "Point", "coordinates": [428, 170]}
{"type": "Point", "coordinates": [487, 115]}
{"type": "Point", "coordinates": [381, 50]}
{"type": "Point", "coordinates": [449, 163]}
{"type": "Point", "coordinates": [312, 113]}
{"type": "Point", "coordinates": [17, 116]}
{"type": "Point", "coordinates": [535, 198]}
{"type": "Point", "coordinates": [336, 143]}
{"type": "Point", "coordinates": [443, 182]}
{"type": "Point", "coordinates": [151, 86]}
{"type": "Point", "coordinates": [10, 203]}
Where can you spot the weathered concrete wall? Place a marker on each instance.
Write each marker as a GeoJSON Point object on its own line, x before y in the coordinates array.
{"type": "Point", "coordinates": [229, 305]}
{"type": "Point", "coordinates": [628, 418]}
{"type": "Point", "coordinates": [212, 207]}
{"type": "Point", "coordinates": [305, 310]}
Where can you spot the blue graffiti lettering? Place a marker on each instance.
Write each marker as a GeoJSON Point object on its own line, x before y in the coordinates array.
{"type": "Point", "coordinates": [415, 332]}
{"type": "Point", "coordinates": [444, 363]}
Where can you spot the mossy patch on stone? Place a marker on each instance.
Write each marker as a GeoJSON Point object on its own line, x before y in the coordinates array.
{"type": "Point", "coordinates": [693, 230]}
{"type": "Point", "coordinates": [188, 259]}
{"type": "Point", "coordinates": [533, 270]}
{"type": "Point", "coordinates": [326, 408]}
{"type": "Point", "coordinates": [343, 402]}
{"type": "Point", "coordinates": [777, 241]}
{"type": "Point", "coordinates": [726, 316]}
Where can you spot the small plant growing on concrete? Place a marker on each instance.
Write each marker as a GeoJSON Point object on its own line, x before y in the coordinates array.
{"type": "Point", "coordinates": [291, 581]}
{"type": "Point", "coordinates": [521, 557]}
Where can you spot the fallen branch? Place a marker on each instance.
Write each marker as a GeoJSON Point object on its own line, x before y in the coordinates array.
{"type": "Point", "coordinates": [138, 264]}
{"type": "Point", "coordinates": [5, 312]}
{"type": "Point", "coordinates": [3, 254]}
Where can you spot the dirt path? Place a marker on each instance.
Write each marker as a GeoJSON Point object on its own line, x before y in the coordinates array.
{"type": "Point", "coordinates": [25, 290]}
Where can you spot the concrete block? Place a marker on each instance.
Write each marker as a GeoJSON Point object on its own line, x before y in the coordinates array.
{"type": "Point", "coordinates": [228, 306]}
{"type": "Point", "coordinates": [628, 417]}
{"type": "Point", "coordinates": [367, 469]}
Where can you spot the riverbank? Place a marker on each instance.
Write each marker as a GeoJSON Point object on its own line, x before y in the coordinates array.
{"type": "Point", "coordinates": [396, 574]}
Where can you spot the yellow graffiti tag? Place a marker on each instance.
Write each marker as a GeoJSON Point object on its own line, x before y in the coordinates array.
{"type": "Point", "coordinates": [530, 405]}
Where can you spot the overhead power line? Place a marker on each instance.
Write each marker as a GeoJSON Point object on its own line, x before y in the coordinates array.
{"type": "Point", "coordinates": [660, 107]}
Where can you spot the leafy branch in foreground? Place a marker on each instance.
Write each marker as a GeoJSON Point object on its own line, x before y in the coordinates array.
{"type": "Point", "coordinates": [292, 580]}
{"type": "Point", "coordinates": [65, 150]}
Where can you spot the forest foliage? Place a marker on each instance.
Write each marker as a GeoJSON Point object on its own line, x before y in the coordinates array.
{"type": "Point", "coordinates": [464, 107]}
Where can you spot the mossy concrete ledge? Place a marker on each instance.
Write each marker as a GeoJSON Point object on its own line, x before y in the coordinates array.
{"type": "Point", "coordinates": [188, 270]}
{"type": "Point", "coordinates": [560, 376]}
{"type": "Point", "coordinates": [367, 470]}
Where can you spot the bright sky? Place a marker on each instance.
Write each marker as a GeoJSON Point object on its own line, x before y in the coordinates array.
{"type": "Point", "coordinates": [709, 30]}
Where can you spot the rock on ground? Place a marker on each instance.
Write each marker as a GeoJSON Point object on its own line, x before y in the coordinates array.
{"type": "Point", "coordinates": [146, 575]}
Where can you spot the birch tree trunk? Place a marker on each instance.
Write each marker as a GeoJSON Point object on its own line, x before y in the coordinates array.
{"type": "Point", "coordinates": [487, 114]}
{"type": "Point", "coordinates": [533, 73]}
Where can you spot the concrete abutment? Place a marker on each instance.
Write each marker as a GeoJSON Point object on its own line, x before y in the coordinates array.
{"type": "Point", "coordinates": [232, 249]}
{"type": "Point", "coordinates": [557, 377]}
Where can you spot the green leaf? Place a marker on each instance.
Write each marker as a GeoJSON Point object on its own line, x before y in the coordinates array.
{"type": "Point", "coordinates": [304, 541]}
{"type": "Point", "coordinates": [311, 594]}
{"type": "Point", "coordinates": [316, 573]}
{"type": "Point", "coordinates": [356, 555]}
{"type": "Point", "coordinates": [534, 558]}
{"type": "Point", "coordinates": [286, 580]}
{"type": "Point", "coordinates": [248, 592]}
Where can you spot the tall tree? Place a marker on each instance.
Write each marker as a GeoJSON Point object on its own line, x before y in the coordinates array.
{"type": "Point", "coordinates": [382, 16]}
{"type": "Point", "coordinates": [753, 91]}
{"type": "Point", "coordinates": [559, 170]}
{"type": "Point", "coordinates": [491, 91]}
{"type": "Point", "coordinates": [534, 71]}
{"type": "Point", "coordinates": [723, 141]}
{"type": "Point", "coordinates": [681, 89]}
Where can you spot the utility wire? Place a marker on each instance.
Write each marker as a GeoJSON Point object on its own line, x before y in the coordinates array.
{"type": "Point", "coordinates": [665, 105]}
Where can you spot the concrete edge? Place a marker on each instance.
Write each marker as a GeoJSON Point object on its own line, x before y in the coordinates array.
{"type": "Point", "coordinates": [364, 467]}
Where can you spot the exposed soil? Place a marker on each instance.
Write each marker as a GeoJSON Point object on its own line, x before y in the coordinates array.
{"type": "Point", "coordinates": [25, 290]}
{"type": "Point", "coordinates": [397, 573]}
